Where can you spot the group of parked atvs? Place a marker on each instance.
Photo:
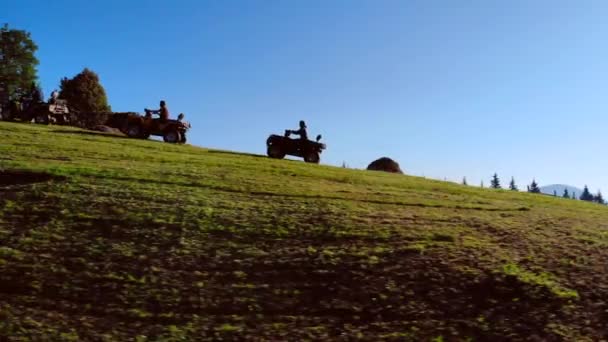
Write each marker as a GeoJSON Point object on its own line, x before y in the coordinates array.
{"type": "Point", "coordinates": [40, 112]}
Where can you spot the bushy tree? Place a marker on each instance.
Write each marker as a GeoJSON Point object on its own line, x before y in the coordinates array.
{"type": "Point", "coordinates": [533, 188]}
{"type": "Point", "coordinates": [17, 63]}
{"type": "Point", "coordinates": [566, 194]}
{"type": "Point", "coordinates": [85, 93]}
{"type": "Point", "coordinates": [586, 195]}
{"type": "Point", "coordinates": [512, 185]}
{"type": "Point", "coordinates": [495, 182]}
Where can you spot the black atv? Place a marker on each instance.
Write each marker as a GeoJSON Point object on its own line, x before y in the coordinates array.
{"type": "Point", "coordinates": [279, 146]}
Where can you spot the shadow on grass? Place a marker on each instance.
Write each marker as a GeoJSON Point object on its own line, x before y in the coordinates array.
{"type": "Point", "coordinates": [91, 133]}
{"type": "Point", "coordinates": [18, 177]}
{"type": "Point", "coordinates": [237, 153]}
{"type": "Point", "coordinates": [308, 196]}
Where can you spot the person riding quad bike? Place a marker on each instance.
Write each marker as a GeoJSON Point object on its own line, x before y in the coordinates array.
{"type": "Point", "coordinates": [279, 146]}
{"type": "Point", "coordinates": [142, 127]}
{"type": "Point", "coordinates": [163, 111]}
{"type": "Point", "coordinates": [301, 132]}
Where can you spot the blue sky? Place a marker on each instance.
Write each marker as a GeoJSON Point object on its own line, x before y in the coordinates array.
{"type": "Point", "coordinates": [447, 88]}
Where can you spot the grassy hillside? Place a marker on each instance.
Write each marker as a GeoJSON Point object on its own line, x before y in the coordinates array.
{"type": "Point", "coordinates": [106, 238]}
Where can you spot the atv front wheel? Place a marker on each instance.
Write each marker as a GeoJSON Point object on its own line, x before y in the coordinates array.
{"type": "Point", "coordinates": [134, 131]}
{"type": "Point", "coordinates": [64, 119]}
{"type": "Point", "coordinates": [312, 157]}
{"type": "Point", "coordinates": [172, 137]}
{"type": "Point", "coordinates": [184, 139]}
{"type": "Point", "coordinates": [275, 151]}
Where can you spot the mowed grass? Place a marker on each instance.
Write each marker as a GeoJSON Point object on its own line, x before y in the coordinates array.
{"type": "Point", "coordinates": [121, 239]}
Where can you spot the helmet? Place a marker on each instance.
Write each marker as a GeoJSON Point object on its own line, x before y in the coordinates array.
{"type": "Point", "coordinates": [180, 116]}
{"type": "Point", "coordinates": [302, 124]}
{"type": "Point", "coordinates": [162, 103]}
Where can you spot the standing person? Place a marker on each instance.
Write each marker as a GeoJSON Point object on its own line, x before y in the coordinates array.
{"type": "Point", "coordinates": [36, 94]}
{"type": "Point", "coordinates": [301, 132]}
{"type": "Point", "coordinates": [54, 96]}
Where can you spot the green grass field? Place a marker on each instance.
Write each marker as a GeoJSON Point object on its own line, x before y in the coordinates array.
{"type": "Point", "coordinates": [108, 238]}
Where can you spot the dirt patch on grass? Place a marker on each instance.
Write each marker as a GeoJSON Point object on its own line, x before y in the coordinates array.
{"type": "Point", "coordinates": [20, 177]}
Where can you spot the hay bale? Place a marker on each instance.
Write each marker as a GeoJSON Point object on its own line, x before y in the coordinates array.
{"type": "Point", "coordinates": [385, 164]}
{"type": "Point", "coordinates": [106, 129]}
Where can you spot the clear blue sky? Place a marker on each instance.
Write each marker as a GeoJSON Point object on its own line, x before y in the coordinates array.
{"type": "Point", "coordinates": [447, 88]}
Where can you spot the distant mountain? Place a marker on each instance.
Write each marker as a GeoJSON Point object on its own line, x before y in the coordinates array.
{"type": "Point", "coordinates": [559, 188]}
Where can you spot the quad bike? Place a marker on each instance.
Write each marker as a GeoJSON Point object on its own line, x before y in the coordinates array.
{"type": "Point", "coordinates": [279, 146]}
{"type": "Point", "coordinates": [50, 113]}
{"type": "Point", "coordinates": [172, 131]}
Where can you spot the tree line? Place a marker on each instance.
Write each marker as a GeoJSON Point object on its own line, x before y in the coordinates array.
{"type": "Point", "coordinates": [19, 82]}
{"type": "Point", "coordinates": [533, 187]}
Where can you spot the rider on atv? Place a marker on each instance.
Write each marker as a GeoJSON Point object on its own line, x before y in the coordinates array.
{"type": "Point", "coordinates": [163, 112]}
{"type": "Point", "coordinates": [301, 132]}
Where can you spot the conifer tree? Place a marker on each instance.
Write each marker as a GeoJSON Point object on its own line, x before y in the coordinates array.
{"type": "Point", "coordinates": [554, 193]}
{"type": "Point", "coordinates": [599, 198]}
{"type": "Point", "coordinates": [586, 195]}
{"type": "Point", "coordinates": [464, 181]}
{"type": "Point", "coordinates": [481, 185]}
{"type": "Point", "coordinates": [533, 188]}
{"type": "Point", "coordinates": [566, 193]}
{"type": "Point", "coordinates": [495, 183]}
{"type": "Point", "coordinates": [512, 185]}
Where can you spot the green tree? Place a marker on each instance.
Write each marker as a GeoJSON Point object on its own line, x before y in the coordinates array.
{"type": "Point", "coordinates": [464, 181]}
{"type": "Point", "coordinates": [599, 198]}
{"type": "Point", "coordinates": [586, 195]}
{"type": "Point", "coordinates": [512, 185]}
{"type": "Point", "coordinates": [17, 63]}
{"type": "Point", "coordinates": [495, 182]}
{"type": "Point", "coordinates": [533, 188]}
{"type": "Point", "coordinates": [85, 93]}
{"type": "Point", "coordinates": [566, 193]}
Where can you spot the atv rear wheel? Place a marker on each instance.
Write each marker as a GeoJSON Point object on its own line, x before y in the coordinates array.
{"type": "Point", "coordinates": [134, 131]}
{"type": "Point", "coordinates": [312, 157]}
{"type": "Point", "coordinates": [275, 151]}
{"type": "Point", "coordinates": [43, 119]}
{"type": "Point", "coordinates": [172, 137]}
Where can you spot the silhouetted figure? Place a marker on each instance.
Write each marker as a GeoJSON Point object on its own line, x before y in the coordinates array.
{"type": "Point", "coordinates": [163, 112]}
{"type": "Point", "coordinates": [35, 93]}
{"type": "Point", "coordinates": [301, 132]}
